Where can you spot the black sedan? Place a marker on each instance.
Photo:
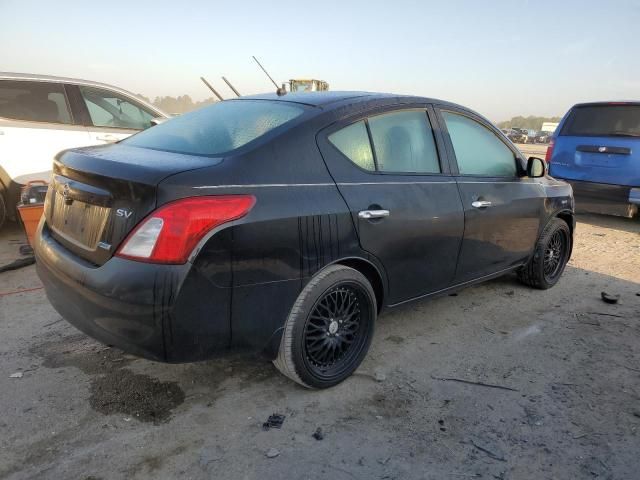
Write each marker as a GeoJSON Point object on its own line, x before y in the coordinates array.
{"type": "Point", "coordinates": [283, 225]}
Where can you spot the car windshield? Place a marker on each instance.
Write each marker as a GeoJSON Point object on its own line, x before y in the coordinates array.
{"type": "Point", "coordinates": [604, 121]}
{"type": "Point", "coordinates": [219, 128]}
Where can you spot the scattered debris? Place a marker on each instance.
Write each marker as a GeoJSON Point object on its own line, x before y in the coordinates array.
{"type": "Point", "coordinates": [21, 290]}
{"type": "Point", "coordinates": [608, 298]}
{"type": "Point", "coordinates": [274, 421]}
{"type": "Point", "coordinates": [16, 375]}
{"type": "Point", "coordinates": [605, 314]}
{"type": "Point", "coordinates": [385, 461]}
{"type": "Point", "coordinates": [318, 434]}
{"type": "Point", "coordinates": [489, 330]}
{"type": "Point", "coordinates": [53, 323]}
{"type": "Point", "coordinates": [17, 264]}
{"type": "Point", "coordinates": [379, 376]}
{"type": "Point", "coordinates": [272, 453]}
{"type": "Point", "coordinates": [491, 454]}
{"type": "Point", "coordinates": [469, 382]}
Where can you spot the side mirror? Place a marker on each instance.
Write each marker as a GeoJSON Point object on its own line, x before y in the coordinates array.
{"type": "Point", "coordinates": [536, 167]}
{"type": "Point", "coordinates": [158, 120]}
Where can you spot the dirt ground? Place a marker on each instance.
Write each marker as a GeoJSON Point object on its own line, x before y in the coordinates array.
{"type": "Point", "coordinates": [560, 400]}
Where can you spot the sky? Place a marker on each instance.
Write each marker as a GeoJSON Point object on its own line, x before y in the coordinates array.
{"type": "Point", "coordinates": [500, 58]}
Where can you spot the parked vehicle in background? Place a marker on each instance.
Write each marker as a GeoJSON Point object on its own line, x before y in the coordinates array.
{"type": "Point", "coordinates": [517, 135]}
{"type": "Point", "coordinates": [597, 150]}
{"type": "Point", "coordinates": [543, 137]}
{"type": "Point", "coordinates": [283, 224]}
{"type": "Point", "coordinates": [42, 115]}
{"type": "Point", "coordinates": [531, 136]}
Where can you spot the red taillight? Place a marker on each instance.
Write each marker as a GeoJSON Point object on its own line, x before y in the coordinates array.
{"type": "Point", "coordinates": [170, 234]}
{"type": "Point", "coordinates": [549, 154]}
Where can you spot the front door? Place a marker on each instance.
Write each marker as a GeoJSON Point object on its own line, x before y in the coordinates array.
{"type": "Point", "coordinates": [502, 207]}
{"type": "Point", "coordinates": [113, 116]}
{"type": "Point", "coordinates": [405, 204]}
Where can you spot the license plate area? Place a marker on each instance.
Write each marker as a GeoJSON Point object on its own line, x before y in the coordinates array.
{"type": "Point", "coordinates": [78, 222]}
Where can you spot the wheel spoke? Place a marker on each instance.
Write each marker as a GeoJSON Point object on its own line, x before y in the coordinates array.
{"type": "Point", "coordinates": [332, 328]}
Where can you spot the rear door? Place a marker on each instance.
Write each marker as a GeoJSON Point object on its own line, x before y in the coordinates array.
{"type": "Point", "coordinates": [502, 208]}
{"type": "Point", "coordinates": [112, 116]}
{"type": "Point", "coordinates": [599, 143]}
{"type": "Point", "coordinates": [35, 124]}
{"type": "Point", "coordinates": [401, 196]}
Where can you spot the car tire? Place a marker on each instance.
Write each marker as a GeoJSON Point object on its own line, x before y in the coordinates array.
{"type": "Point", "coordinates": [549, 258]}
{"type": "Point", "coordinates": [3, 210]}
{"type": "Point", "coordinates": [329, 328]}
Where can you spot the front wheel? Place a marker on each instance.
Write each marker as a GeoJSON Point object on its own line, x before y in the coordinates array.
{"type": "Point", "coordinates": [329, 329]}
{"type": "Point", "coordinates": [549, 258]}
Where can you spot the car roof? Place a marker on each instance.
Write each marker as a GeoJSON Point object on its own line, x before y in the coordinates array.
{"type": "Point", "coordinates": [611, 103]}
{"type": "Point", "coordinates": [75, 81]}
{"type": "Point", "coordinates": [334, 99]}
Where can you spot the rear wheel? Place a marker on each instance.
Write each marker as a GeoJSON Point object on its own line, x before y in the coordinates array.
{"type": "Point", "coordinates": [549, 257]}
{"type": "Point", "coordinates": [329, 329]}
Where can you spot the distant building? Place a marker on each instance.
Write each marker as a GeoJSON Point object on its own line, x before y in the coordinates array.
{"type": "Point", "coordinates": [549, 126]}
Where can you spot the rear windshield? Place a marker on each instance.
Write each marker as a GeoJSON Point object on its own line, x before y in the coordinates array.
{"type": "Point", "coordinates": [219, 128]}
{"type": "Point", "coordinates": [604, 121]}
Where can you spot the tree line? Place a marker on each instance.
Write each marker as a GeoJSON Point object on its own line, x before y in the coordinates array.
{"type": "Point", "coordinates": [529, 123]}
{"type": "Point", "coordinates": [181, 104]}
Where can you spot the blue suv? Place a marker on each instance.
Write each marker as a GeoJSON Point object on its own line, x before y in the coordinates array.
{"type": "Point", "coordinates": [596, 148]}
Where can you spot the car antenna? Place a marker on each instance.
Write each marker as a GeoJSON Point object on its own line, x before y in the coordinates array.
{"type": "Point", "coordinates": [231, 87]}
{"type": "Point", "coordinates": [212, 89]}
{"type": "Point", "coordinates": [279, 90]}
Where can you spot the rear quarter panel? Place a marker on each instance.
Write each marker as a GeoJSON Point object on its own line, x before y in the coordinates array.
{"type": "Point", "coordinates": [299, 224]}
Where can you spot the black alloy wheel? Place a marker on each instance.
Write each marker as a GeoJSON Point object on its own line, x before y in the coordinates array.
{"type": "Point", "coordinates": [333, 332]}
{"type": "Point", "coordinates": [329, 329]}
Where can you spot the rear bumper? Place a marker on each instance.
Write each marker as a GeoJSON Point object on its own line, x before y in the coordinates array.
{"type": "Point", "coordinates": [145, 309]}
{"type": "Point", "coordinates": [607, 199]}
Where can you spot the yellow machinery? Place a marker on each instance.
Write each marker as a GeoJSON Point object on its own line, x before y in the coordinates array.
{"type": "Point", "coordinates": [308, 85]}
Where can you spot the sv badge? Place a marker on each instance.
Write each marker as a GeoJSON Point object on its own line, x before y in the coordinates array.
{"type": "Point", "coordinates": [124, 213]}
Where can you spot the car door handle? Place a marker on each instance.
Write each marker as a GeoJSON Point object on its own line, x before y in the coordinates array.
{"type": "Point", "coordinates": [107, 138]}
{"type": "Point", "coordinates": [481, 204]}
{"type": "Point", "coordinates": [367, 214]}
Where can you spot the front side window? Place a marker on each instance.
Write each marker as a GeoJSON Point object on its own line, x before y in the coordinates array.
{"type": "Point", "coordinates": [403, 142]}
{"type": "Point", "coordinates": [218, 128]}
{"type": "Point", "coordinates": [110, 109]}
{"type": "Point", "coordinates": [353, 142]}
{"type": "Point", "coordinates": [478, 150]}
{"type": "Point", "coordinates": [34, 101]}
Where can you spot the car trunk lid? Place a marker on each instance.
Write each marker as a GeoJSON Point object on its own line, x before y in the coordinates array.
{"type": "Point", "coordinates": [99, 194]}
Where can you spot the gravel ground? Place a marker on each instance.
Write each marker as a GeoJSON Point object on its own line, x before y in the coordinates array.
{"type": "Point", "coordinates": [498, 381]}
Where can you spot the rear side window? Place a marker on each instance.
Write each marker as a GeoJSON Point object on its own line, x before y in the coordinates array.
{"type": "Point", "coordinates": [216, 129]}
{"type": "Point", "coordinates": [34, 101]}
{"type": "Point", "coordinates": [478, 150]}
{"type": "Point", "coordinates": [603, 121]}
{"type": "Point", "coordinates": [403, 142]}
{"type": "Point", "coordinates": [353, 142]}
